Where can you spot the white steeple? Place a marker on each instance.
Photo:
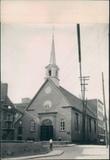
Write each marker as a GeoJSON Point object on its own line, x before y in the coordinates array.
{"type": "Point", "coordinates": [52, 57]}
{"type": "Point", "coordinates": [52, 68]}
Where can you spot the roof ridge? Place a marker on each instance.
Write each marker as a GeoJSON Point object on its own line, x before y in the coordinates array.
{"type": "Point", "coordinates": [70, 93]}
{"type": "Point", "coordinates": [35, 95]}
{"type": "Point", "coordinates": [58, 87]}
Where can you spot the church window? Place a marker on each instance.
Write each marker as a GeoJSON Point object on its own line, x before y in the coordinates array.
{"type": "Point", "coordinates": [62, 125]}
{"type": "Point", "coordinates": [76, 121]}
{"type": "Point", "coordinates": [47, 104]}
{"type": "Point", "coordinates": [89, 124]}
{"type": "Point", "coordinates": [94, 126]}
{"type": "Point", "coordinates": [32, 127]}
{"type": "Point", "coordinates": [56, 73]}
{"type": "Point", "coordinates": [49, 72]}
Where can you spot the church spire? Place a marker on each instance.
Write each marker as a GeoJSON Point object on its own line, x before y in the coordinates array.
{"type": "Point", "coordinates": [52, 56]}
{"type": "Point", "coordinates": [52, 69]}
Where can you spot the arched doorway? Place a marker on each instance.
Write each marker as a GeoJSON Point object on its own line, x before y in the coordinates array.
{"type": "Point", "coordinates": [46, 130]}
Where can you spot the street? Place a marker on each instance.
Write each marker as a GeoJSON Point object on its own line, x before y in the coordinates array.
{"type": "Point", "coordinates": [81, 152]}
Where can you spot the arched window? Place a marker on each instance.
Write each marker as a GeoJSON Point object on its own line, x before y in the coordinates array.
{"type": "Point", "coordinates": [62, 125]}
{"type": "Point", "coordinates": [89, 124]}
{"type": "Point", "coordinates": [32, 126]}
{"type": "Point", "coordinates": [77, 121]}
{"type": "Point", "coordinates": [49, 72]}
{"type": "Point", "coordinates": [47, 122]}
{"type": "Point", "coordinates": [95, 126]}
{"type": "Point", "coordinates": [56, 73]}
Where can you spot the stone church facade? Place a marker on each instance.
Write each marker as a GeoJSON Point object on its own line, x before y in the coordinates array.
{"type": "Point", "coordinates": [56, 113]}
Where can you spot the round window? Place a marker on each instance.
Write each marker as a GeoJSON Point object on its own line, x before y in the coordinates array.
{"type": "Point", "coordinates": [47, 104]}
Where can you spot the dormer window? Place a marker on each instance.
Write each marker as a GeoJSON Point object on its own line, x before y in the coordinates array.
{"type": "Point", "coordinates": [49, 72]}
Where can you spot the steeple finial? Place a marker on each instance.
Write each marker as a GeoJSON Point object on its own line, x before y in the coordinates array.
{"type": "Point", "coordinates": [52, 57]}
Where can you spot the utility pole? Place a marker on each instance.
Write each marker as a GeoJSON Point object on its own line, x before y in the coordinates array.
{"type": "Point", "coordinates": [105, 116]}
{"type": "Point", "coordinates": [79, 52]}
{"type": "Point", "coordinates": [84, 102]}
{"type": "Point", "coordinates": [82, 81]}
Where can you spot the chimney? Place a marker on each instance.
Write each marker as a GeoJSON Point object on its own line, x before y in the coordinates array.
{"type": "Point", "coordinates": [26, 100]}
{"type": "Point", "coordinates": [4, 90]}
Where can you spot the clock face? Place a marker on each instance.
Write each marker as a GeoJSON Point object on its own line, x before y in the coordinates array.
{"type": "Point", "coordinates": [47, 104]}
{"type": "Point", "coordinates": [48, 90]}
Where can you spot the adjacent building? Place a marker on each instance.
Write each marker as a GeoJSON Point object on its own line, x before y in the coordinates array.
{"type": "Point", "coordinates": [8, 115]}
{"type": "Point", "coordinates": [19, 127]}
{"type": "Point", "coordinates": [98, 105]}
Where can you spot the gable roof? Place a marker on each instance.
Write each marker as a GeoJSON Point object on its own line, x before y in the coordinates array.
{"type": "Point", "coordinates": [7, 102]}
{"type": "Point", "coordinates": [91, 108]}
{"type": "Point", "coordinates": [70, 98]}
{"type": "Point", "coordinates": [35, 95]}
{"type": "Point", "coordinates": [73, 100]}
{"type": "Point", "coordinates": [47, 80]}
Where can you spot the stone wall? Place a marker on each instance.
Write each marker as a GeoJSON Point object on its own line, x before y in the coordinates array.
{"type": "Point", "coordinates": [22, 149]}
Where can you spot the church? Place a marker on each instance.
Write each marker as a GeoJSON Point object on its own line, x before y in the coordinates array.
{"type": "Point", "coordinates": [56, 113]}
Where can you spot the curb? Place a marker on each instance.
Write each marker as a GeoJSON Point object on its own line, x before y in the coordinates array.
{"type": "Point", "coordinates": [50, 154]}
{"type": "Point", "coordinates": [68, 145]}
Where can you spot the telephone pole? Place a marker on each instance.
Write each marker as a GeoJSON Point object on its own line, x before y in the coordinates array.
{"type": "Point", "coordinates": [105, 116]}
{"type": "Point", "coordinates": [83, 80]}
{"type": "Point", "coordinates": [84, 102]}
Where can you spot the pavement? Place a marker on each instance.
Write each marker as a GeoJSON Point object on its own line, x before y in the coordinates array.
{"type": "Point", "coordinates": [82, 152]}
{"type": "Point", "coordinates": [71, 151]}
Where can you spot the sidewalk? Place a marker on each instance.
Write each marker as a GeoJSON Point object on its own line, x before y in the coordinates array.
{"type": "Point", "coordinates": [52, 153]}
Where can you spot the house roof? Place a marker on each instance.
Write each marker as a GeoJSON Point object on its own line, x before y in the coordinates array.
{"type": "Point", "coordinates": [21, 106]}
{"type": "Point", "coordinates": [7, 102]}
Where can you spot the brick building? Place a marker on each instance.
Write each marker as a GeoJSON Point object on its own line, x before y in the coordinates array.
{"type": "Point", "coordinates": [56, 113]}
{"type": "Point", "coordinates": [8, 115]}
{"type": "Point", "coordinates": [19, 129]}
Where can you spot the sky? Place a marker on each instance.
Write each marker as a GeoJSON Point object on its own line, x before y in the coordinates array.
{"type": "Point", "coordinates": [26, 39]}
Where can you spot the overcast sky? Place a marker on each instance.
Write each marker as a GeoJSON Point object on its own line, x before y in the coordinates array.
{"type": "Point", "coordinates": [26, 46]}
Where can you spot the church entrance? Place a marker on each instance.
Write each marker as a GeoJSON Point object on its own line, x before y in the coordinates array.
{"type": "Point", "coordinates": [46, 130]}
